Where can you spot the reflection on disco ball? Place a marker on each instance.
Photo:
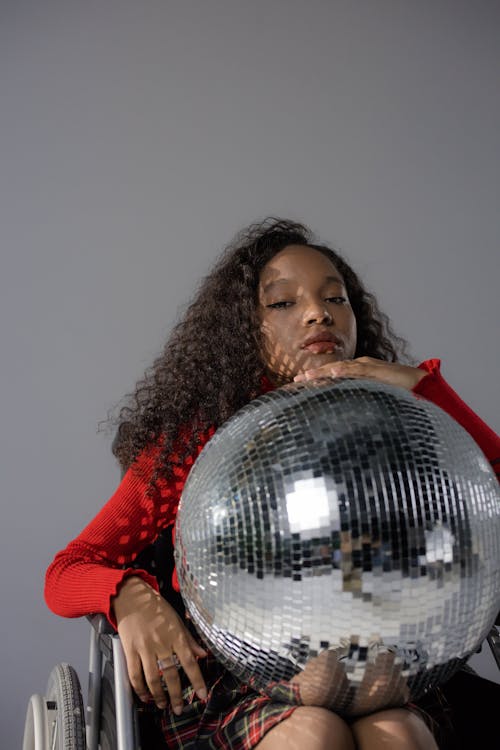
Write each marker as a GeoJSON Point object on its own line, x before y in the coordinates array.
{"type": "Point", "coordinates": [347, 531]}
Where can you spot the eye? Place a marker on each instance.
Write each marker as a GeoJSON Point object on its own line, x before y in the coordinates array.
{"type": "Point", "coordinates": [337, 300]}
{"type": "Point", "coordinates": [280, 305]}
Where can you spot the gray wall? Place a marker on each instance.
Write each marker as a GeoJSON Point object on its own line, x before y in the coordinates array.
{"type": "Point", "coordinates": [136, 138]}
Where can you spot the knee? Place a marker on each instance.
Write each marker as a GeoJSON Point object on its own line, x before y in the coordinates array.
{"type": "Point", "coordinates": [325, 728]}
{"type": "Point", "coordinates": [309, 727]}
{"type": "Point", "coordinates": [399, 726]}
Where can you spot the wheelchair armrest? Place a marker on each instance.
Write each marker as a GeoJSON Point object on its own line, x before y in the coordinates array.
{"type": "Point", "coordinates": [493, 639]}
{"type": "Point", "coordinates": [101, 639]}
{"type": "Point", "coordinates": [101, 624]}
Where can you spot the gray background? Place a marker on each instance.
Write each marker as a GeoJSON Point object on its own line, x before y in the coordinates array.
{"type": "Point", "coordinates": [136, 138]}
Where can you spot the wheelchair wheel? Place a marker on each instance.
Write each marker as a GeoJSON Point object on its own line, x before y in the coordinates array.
{"type": "Point", "coordinates": [56, 721]}
{"type": "Point", "coordinates": [36, 726]}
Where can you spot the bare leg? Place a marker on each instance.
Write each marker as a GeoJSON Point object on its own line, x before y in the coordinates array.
{"type": "Point", "coordinates": [309, 728]}
{"type": "Point", "coordinates": [395, 728]}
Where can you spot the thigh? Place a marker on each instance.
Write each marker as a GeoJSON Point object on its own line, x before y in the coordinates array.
{"type": "Point", "coordinates": [309, 727]}
{"type": "Point", "coordinates": [398, 728]}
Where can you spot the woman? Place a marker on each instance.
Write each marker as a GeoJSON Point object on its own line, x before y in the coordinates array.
{"type": "Point", "coordinates": [277, 307]}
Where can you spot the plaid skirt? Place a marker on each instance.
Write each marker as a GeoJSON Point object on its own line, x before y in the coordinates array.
{"type": "Point", "coordinates": [236, 717]}
{"type": "Point", "coordinates": [233, 717]}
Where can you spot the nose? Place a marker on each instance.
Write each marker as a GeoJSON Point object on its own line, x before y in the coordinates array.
{"type": "Point", "coordinates": [317, 313]}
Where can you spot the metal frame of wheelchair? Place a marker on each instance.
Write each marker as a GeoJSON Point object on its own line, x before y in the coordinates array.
{"type": "Point", "coordinates": [57, 720]}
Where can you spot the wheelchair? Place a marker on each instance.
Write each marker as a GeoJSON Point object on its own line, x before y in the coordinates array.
{"type": "Point", "coordinates": [114, 718]}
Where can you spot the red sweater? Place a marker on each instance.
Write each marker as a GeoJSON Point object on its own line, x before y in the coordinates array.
{"type": "Point", "coordinates": [83, 577]}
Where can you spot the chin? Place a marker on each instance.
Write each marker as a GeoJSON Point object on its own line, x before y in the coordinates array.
{"type": "Point", "coordinates": [318, 360]}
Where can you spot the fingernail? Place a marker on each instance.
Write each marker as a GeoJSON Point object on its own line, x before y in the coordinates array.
{"type": "Point", "coordinates": [162, 704]}
{"type": "Point", "coordinates": [202, 694]}
{"type": "Point", "coordinates": [177, 709]}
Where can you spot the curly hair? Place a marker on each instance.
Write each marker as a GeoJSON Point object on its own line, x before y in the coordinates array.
{"type": "Point", "coordinates": [211, 363]}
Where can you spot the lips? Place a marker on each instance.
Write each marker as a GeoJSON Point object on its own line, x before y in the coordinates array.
{"type": "Point", "coordinates": [322, 343]}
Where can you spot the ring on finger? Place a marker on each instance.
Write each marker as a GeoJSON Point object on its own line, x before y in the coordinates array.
{"type": "Point", "coordinates": [168, 662]}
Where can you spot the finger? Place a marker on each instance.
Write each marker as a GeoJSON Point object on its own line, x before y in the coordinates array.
{"type": "Point", "coordinates": [313, 375]}
{"type": "Point", "coordinates": [172, 684]}
{"type": "Point", "coordinates": [334, 370]}
{"type": "Point", "coordinates": [358, 367]}
{"type": "Point", "coordinates": [136, 676]}
{"type": "Point", "coordinates": [363, 367]}
{"type": "Point", "coordinates": [198, 649]}
{"type": "Point", "coordinates": [154, 681]}
{"type": "Point", "coordinates": [190, 666]}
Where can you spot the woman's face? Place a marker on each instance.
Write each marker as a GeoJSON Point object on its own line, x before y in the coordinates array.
{"type": "Point", "coordinates": [305, 315]}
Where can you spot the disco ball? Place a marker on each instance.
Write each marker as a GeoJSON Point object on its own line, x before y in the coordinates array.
{"type": "Point", "coordinates": [345, 534]}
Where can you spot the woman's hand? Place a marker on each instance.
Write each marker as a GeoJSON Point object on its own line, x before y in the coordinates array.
{"type": "Point", "coordinates": [150, 629]}
{"type": "Point", "coordinates": [391, 373]}
{"type": "Point", "coordinates": [383, 686]}
{"type": "Point", "coordinates": [323, 681]}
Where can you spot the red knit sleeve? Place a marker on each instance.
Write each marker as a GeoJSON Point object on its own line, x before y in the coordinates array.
{"type": "Point", "coordinates": [83, 577]}
{"type": "Point", "coordinates": [434, 387]}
